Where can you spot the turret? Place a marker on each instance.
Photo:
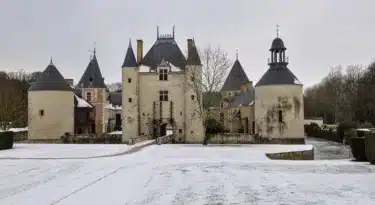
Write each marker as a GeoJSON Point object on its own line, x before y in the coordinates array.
{"type": "Point", "coordinates": [279, 99]}
{"type": "Point", "coordinates": [130, 95]}
{"type": "Point", "coordinates": [51, 106]}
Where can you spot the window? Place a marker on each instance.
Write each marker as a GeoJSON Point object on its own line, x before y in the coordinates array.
{"type": "Point", "coordinates": [179, 130]}
{"type": "Point", "coordinates": [41, 112]}
{"type": "Point", "coordinates": [163, 74]}
{"type": "Point", "coordinates": [180, 113]}
{"type": "Point", "coordinates": [163, 95]}
{"type": "Point", "coordinates": [222, 117]}
{"type": "Point", "coordinates": [130, 100]}
{"type": "Point", "coordinates": [143, 114]}
{"type": "Point", "coordinates": [129, 80]}
{"type": "Point", "coordinates": [280, 116]}
{"type": "Point", "coordinates": [88, 96]}
{"type": "Point", "coordinates": [192, 78]}
{"type": "Point", "coordinates": [192, 97]}
{"type": "Point", "coordinates": [191, 132]}
{"type": "Point", "coordinates": [221, 104]}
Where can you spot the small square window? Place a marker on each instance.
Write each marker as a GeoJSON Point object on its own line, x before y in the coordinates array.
{"type": "Point", "coordinates": [129, 80]}
{"type": "Point", "coordinates": [41, 112]}
{"type": "Point", "coordinates": [179, 130]}
{"type": "Point", "coordinates": [130, 100]}
{"type": "Point", "coordinates": [192, 97]}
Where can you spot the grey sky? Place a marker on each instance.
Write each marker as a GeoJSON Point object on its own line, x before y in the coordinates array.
{"type": "Point", "coordinates": [318, 34]}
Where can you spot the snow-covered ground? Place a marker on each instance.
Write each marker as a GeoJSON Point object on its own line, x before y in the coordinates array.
{"type": "Point", "coordinates": [66, 151]}
{"type": "Point", "coordinates": [187, 174]}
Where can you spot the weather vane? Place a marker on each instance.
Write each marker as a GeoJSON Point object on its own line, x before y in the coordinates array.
{"type": "Point", "coordinates": [277, 30]}
{"type": "Point", "coordinates": [93, 51]}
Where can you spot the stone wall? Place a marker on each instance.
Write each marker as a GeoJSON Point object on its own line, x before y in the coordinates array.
{"type": "Point", "coordinates": [296, 155]}
{"type": "Point", "coordinates": [231, 138]}
{"type": "Point", "coordinates": [279, 141]}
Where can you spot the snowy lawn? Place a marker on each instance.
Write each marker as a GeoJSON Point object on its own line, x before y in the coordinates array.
{"type": "Point", "coordinates": [190, 174]}
{"type": "Point", "coordinates": [59, 151]}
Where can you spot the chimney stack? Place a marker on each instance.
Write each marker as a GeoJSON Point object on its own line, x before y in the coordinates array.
{"type": "Point", "coordinates": [189, 45]}
{"type": "Point", "coordinates": [70, 81]}
{"type": "Point", "coordinates": [139, 51]}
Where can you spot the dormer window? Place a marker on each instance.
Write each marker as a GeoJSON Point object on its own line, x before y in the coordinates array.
{"type": "Point", "coordinates": [163, 74]}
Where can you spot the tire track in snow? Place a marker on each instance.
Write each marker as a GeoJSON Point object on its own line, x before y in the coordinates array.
{"type": "Point", "coordinates": [94, 182]}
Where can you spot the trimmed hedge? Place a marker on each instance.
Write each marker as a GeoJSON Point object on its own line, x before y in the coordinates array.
{"type": "Point", "coordinates": [6, 140]}
{"type": "Point", "coordinates": [370, 147]}
{"type": "Point", "coordinates": [358, 148]}
{"type": "Point", "coordinates": [91, 139]}
{"type": "Point", "coordinates": [313, 130]}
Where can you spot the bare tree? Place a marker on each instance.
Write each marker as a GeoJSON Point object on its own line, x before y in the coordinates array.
{"type": "Point", "coordinates": [208, 80]}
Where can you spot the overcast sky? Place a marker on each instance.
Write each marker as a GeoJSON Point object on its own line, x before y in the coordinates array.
{"type": "Point", "coordinates": [319, 34]}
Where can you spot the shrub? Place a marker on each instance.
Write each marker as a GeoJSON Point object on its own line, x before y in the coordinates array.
{"type": "Point", "coordinates": [344, 126]}
{"type": "Point", "coordinates": [365, 125]}
{"type": "Point", "coordinates": [358, 148]}
{"type": "Point", "coordinates": [312, 129]}
{"type": "Point", "coordinates": [213, 126]}
{"type": "Point", "coordinates": [6, 140]}
{"type": "Point", "coordinates": [370, 147]}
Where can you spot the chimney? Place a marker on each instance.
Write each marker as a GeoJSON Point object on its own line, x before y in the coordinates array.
{"type": "Point", "coordinates": [139, 51]}
{"type": "Point", "coordinates": [189, 45]}
{"type": "Point", "coordinates": [70, 81]}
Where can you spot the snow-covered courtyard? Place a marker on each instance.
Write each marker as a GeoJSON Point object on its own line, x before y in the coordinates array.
{"type": "Point", "coordinates": [178, 174]}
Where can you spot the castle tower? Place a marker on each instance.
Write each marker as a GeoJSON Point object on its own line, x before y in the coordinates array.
{"type": "Point", "coordinates": [194, 131]}
{"type": "Point", "coordinates": [50, 106]}
{"type": "Point", "coordinates": [130, 96]}
{"type": "Point", "coordinates": [279, 100]}
{"type": "Point", "coordinates": [95, 92]}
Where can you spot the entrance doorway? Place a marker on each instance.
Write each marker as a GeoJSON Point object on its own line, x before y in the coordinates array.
{"type": "Point", "coordinates": [163, 129]}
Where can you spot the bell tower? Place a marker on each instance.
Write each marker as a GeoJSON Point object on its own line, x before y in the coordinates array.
{"type": "Point", "coordinates": [277, 51]}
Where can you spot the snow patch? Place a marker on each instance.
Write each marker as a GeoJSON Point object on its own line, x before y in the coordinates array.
{"type": "Point", "coordinates": [82, 102]}
{"type": "Point", "coordinates": [296, 81]}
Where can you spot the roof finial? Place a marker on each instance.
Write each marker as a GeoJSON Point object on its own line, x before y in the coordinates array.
{"type": "Point", "coordinates": [130, 42]}
{"type": "Point", "coordinates": [157, 32]}
{"type": "Point", "coordinates": [277, 30]}
{"type": "Point", "coordinates": [94, 49]}
{"type": "Point", "coordinates": [173, 31]}
{"type": "Point", "coordinates": [237, 54]}
{"type": "Point", "coordinates": [51, 63]}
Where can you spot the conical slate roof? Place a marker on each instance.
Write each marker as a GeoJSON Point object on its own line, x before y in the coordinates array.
{"type": "Point", "coordinates": [236, 76]}
{"type": "Point", "coordinates": [278, 74]}
{"type": "Point", "coordinates": [129, 61]}
{"type": "Point", "coordinates": [50, 79]}
{"type": "Point", "coordinates": [92, 77]}
{"type": "Point", "coordinates": [193, 56]}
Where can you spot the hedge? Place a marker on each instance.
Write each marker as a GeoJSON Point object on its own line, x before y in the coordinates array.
{"type": "Point", "coordinates": [358, 148]}
{"type": "Point", "coordinates": [91, 139]}
{"type": "Point", "coordinates": [6, 140]}
{"type": "Point", "coordinates": [370, 147]}
{"type": "Point", "coordinates": [313, 130]}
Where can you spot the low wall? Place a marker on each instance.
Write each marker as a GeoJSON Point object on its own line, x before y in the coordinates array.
{"type": "Point", "coordinates": [295, 155]}
{"type": "Point", "coordinates": [138, 139]}
{"type": "Point", "coordinates": [279, 141]}
{"type": "Point", "coordinates": [165, 139]}
{"type": "Point", "coordinates": [231, 138]}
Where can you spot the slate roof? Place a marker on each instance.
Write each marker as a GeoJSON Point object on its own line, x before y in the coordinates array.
{"type": "Point", "coordinates": [278, 74]}
{"type": "Point", "coordinates": [129, 60]}
{"type": "Point", "coordinates": [235, 77]}
{"type": "Point", "coordinates": [166, 48]}
{"type": "Point", "coordinates": [193, 56]}
{"type": "Point", "coordinates": [115, 98]}
{"type": "Point", "coordinates": [50, 79]}
{"type": "Point", "coordinates": [244, 98]}
{"type": "Point", "coordinates": [277, 44]}
{"type": "Point", "coordinates": [92, 77]}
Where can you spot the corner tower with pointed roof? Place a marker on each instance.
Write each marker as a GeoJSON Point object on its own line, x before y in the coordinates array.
{"type": "Point", "coordinates": [94, 91]}
{"type": "Point", "coordinates": [279, 100]}
{"type": "Point", "coordinates": [130, 94]}
{"type": "Point", "coordinates": [50, 106]}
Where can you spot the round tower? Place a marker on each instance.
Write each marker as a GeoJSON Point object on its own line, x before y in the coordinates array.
{"type": "Point", "coordinates": [279, 100]}
{"type": "Point", "coordinates": [130, 95]}
{"type": "Point", "coordinates": [51, 106]}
